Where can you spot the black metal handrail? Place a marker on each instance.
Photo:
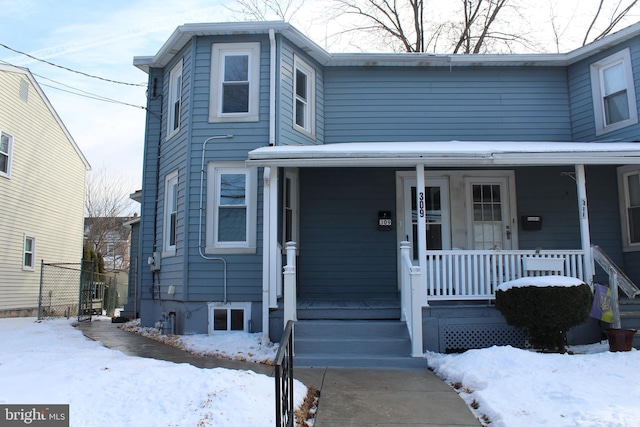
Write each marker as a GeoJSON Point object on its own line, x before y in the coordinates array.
{"type": "Point", "coordinates": [284, 379]}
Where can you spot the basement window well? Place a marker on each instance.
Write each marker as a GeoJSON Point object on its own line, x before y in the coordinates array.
{"type": "Point", "coordinates": [233, 316]}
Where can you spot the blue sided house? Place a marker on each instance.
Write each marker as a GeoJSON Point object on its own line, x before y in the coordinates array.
{"type": "Point", "coordinates": [379, 199]}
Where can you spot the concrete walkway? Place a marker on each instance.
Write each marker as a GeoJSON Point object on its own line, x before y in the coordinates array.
{"type": "Point", "coordinates": [348, 397]}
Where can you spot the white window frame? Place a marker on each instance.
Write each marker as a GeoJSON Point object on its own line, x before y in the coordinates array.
{"type": "Point", "coordinates": [175, 100]}
{"type": "Point", "coordinates": [8, 154]}
{"type": "Point", "coordinates": [220, 51]}
{"type": "Point", "coordinates": [25, 266]}
{"type": "Point", "coordinates": [170, 210]}
{"type": "Point", "coordinates": [623, 197]}
{"type": "Point", "coordinates": [213, 243]}
{"type": "Point", "coordinates": [597, 87]}
{"type": "Point", "coordinates": [309, 104]}
{"type": "Point", "coordinates": [229, 306]}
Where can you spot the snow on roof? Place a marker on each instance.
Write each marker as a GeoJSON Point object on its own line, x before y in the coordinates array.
{"type": "Point", "coordinates": [541, 282]}
{"type": "Point", "coordinates": [459, 153]}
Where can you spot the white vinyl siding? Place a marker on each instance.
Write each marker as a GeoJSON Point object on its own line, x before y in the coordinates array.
{"type": "Point", "coordinates": [235, 82]}
{"type": "Point", "coordinates": [614, 98]}
{"type": "Point", "coordinates": [304, 89]}
{"type": "Point", "coordinates": [170, 214]}
{"type": "Point", "coordinates": [54, 209]}
{"type": "Point", "coordinates": [175, 100]}
{"type": "Point", "coordinates": [231, 208]}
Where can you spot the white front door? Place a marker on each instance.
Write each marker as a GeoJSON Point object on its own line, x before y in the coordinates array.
{"type": "Point", "coordinates": [436, 206]}
{"type": "Point", "coordinates": [490, 223]}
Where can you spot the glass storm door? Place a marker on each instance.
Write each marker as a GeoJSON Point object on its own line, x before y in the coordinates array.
{"type": "Point", "coordinates": [436, 196]}
{"type": "Point", "coordinates": [489, 214]}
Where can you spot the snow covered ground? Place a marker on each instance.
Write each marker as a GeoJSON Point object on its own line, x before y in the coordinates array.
{"type": "Point", "coordinates": [52, 362]}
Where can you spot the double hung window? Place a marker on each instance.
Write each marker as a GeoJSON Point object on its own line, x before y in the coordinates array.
{"type": "Point", "coordinates": [629, 187]}
{"type": "Point", "coordinates": [231, 217]}
{"type": "Point", "coordinates": [6, 145]}
{"type": "Point", "coordinates": [170, 214]}
{"type": "Point", "coordinates": [235, 81]}
{"type": "Point", "coordinates": [29, 255]}
{"type": "Point", "coordinates": [304, 97]}
{"type": "Point", "coordinates": [175, 99]}
{"type": "Point", "coordinates": [614, 98]}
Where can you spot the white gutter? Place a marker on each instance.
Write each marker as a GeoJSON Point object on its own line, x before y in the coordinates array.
{"type": "Point", "coordinates": [272, 87]}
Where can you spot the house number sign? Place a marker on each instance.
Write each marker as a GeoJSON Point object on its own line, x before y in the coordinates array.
{"type": "Point", "coordinates": [421, 204]}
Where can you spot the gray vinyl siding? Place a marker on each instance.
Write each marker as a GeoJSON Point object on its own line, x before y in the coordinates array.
{"type": "Point", "coordinates": [287, 135]}
{"type": "Point", "coordinates": [582, 114]}
{"type": "Point", "coordinates": [462, 103]}
{"type": "Point", "coordinates": [343, 255]}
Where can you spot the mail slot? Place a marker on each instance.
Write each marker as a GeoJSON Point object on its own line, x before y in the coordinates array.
{"type": "Point", "coordinates": [531, 222]}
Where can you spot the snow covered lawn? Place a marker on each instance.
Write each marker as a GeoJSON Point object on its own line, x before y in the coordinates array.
{"type": "Point", "coordinates": [520, 388]}
{"type": "Point", "coordinates": [53, 363]}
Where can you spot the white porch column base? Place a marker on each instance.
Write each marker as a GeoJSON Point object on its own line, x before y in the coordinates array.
{"type": "Point", "coordinates": [290, 302]}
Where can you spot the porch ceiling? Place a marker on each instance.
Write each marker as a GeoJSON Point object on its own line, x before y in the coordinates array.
{"type": "Point", "coordinates": [448, 153]}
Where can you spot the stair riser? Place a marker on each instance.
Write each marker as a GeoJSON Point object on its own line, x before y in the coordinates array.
{"type": "Point", "coordinates": [399, 363]}
{"type": "Point", "coordinates": [387, 347]}
{"type": "Point", "coordinates": [348, 329]}
{"type": "Point", "coordinates": [386, 314]}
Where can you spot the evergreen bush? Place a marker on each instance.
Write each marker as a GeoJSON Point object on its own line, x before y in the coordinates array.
{"type": "Point", "coordinates": [546, 313]}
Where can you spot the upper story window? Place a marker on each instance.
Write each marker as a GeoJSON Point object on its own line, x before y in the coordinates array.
{"type": "Point", "coordinates": [614, 96]}
{"type": "Point", "coordinates": [235, 82]}
{"type": "Point", "coordinates": [231, 208]}
{"type": "Point", "coordinates": [170, 214]}
{"type": "Point", "coordinates": [175, 99]}
{"type": "Point", "coordinates": [304, 97]}
{"type": "Point", "coordinates": [6, 145]}
{"type": "Point", "coordinates": [29, 258]}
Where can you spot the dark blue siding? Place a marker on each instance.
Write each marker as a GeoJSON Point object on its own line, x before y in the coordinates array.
{"type": "Point", "coordinates": [463, 103]}
{"type": "Point", "coordinates": [343, 255]}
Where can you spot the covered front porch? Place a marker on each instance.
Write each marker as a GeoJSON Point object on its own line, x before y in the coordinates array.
{"type": "Point", "coordinates": [463, 269]}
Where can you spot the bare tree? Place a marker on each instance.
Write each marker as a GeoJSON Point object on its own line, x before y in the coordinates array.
{"type": "Point", "coordinates": [619, 11]}
{"type": "Point", "coordinates": [264, 10]}
{"type": "Point", "coordinates": [107, 207]}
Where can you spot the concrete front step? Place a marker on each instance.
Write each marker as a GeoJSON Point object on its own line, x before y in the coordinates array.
{"type": "Point", "coordinates": [353, 343]}
{"type": "Point", "coordinates": [349, 309]}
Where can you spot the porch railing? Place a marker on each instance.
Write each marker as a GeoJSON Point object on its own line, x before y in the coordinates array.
{"type": "Point", "coordinates": [285, 416]}
{"type": "Point", "coordinates": [475, 274]}
{"type": "Point", "coordinates": [413, 298]}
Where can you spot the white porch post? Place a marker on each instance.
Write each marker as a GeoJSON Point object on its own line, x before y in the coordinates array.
{"type": "Point", "coordinates": [421, 206]}
{"type": "Point", "coordinates": [583, 213]}
{"type": "Point", "coordinates": [290, 302]}
{"type": "Point", "coordinates": [275, 255]}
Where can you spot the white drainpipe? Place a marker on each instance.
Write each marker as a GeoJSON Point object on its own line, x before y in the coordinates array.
{"type": "Point", "coordinates": [267, 189]}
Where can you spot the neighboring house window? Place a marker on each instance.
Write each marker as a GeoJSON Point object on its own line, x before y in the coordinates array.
{"type": "Point", "coordinates": [290, 206]}
{"type": "Point", "coordinates": [110, 249]}
{"type": "Point", "coordinates": [235, 80]}
{"type": "Point", "coordinates": [6, 145]}
{"type": "Point", "coordinates": [304, 97]}
{"type": "Point", "coordinates": [229, 317]}
{"type": "Point", "coordinates": [29, 258]}
{"type": "Point", "coordinates": [629, 188]}
{"type": "Point", "coordinates": [231, 209]}
{"type": "Point", "coordinates": [175, 99]}
{"type": "Point", "coordinates": [614, 97]}
{"type": "Point", "coordinates": [170, 214]}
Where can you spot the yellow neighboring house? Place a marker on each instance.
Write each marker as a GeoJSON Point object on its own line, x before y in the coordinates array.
{"type": "Point", "coordinates": [42, 189]}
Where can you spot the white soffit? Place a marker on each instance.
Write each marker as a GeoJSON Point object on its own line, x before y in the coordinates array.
{"type": "Point", "coordinates": [448, 153]}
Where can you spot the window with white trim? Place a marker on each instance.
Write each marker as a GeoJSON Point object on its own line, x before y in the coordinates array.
{"type": "Point", "coordinates": [304, 87]}
{"type": "Point", "coordinates": [234, 316]}
{"type": "Point", "coordinates": [231, 208]}
{"type": "Point", "coordinates": [6, 145]}
{"type": "Point", "coordinates": [629, 196]}
{"type": "Point", "coordinates": [29, 253]}
{"type": "Point", "coordinates": [175, 99]}
{"type": "Point", "coordinates": [235, 82]}
{"type": "Point", "coordinates": [614, 95]}
{"type": "Point", "coordinates": [170, 214]}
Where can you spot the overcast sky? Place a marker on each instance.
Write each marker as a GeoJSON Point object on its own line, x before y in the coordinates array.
{"type": "Point", "coordinates": [101, 38]}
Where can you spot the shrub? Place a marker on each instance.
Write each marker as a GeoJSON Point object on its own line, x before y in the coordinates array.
{"type": "Point", "coordinates": [545, 313]}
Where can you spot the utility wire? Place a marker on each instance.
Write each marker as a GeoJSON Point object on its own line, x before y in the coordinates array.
{"type": "Point", "coordinates": [71, 70]}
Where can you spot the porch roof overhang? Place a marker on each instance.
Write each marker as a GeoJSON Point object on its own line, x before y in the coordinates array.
{"type": "Point", "coordinates": [447, 153]}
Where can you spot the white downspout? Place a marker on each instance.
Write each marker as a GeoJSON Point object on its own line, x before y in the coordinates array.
{"type": "Point", "coordinates": [267, 189]}
{"type": "Point", "coordinates": [583, 212]}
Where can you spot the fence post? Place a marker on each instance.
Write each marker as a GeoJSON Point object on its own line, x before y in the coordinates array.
{"type": "Point", "coordinates": [289, 273]}
{"type": "Point", "coordinates": [40, 291]}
